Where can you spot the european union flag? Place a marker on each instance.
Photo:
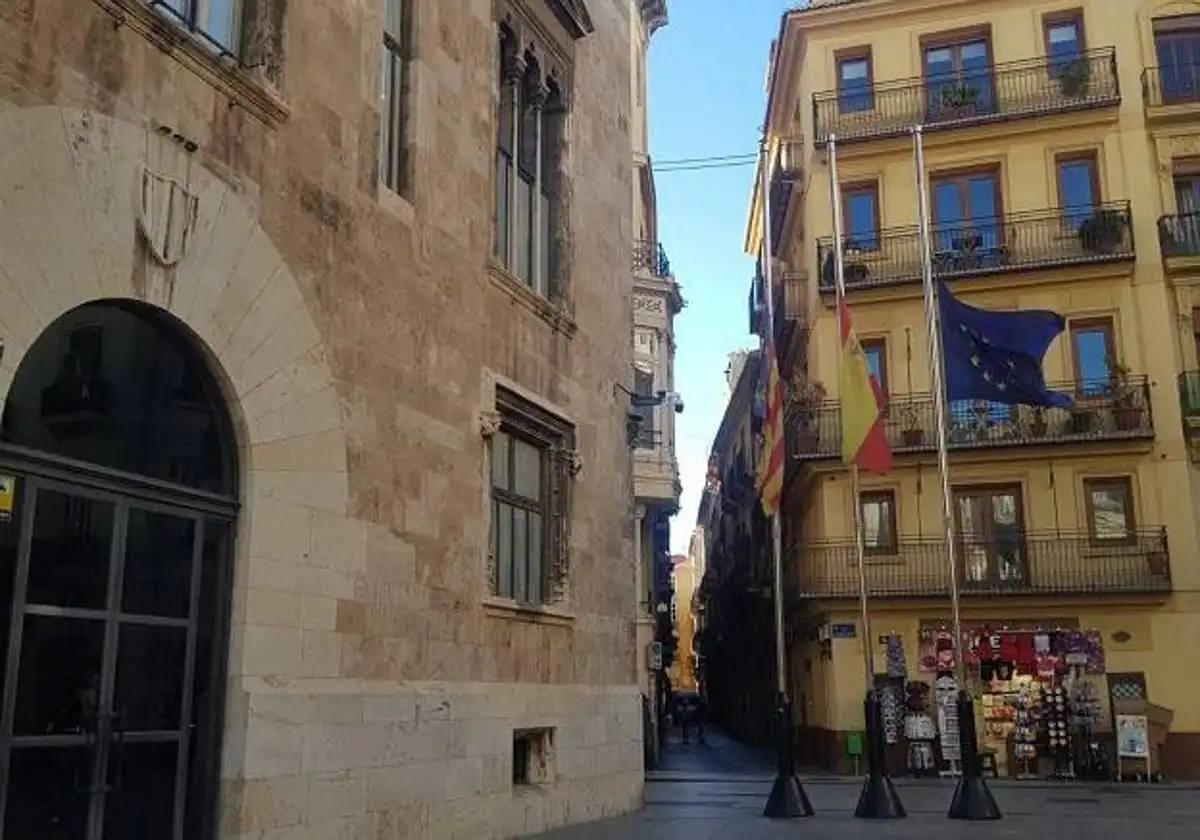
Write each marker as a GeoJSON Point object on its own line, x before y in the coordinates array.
{"type": "Point", "coordinates": [997, 356]}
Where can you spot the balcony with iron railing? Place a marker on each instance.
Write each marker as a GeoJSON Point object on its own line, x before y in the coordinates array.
{"type": "Point", "coordinates": [1172, 85]}
{"type": "Point", "coordinates": [651, 258]}
{"type": "Point", "coordinates": [1011, 564]}
{"type": "Point", "coordinates": [1103, 411]}
{"type": "Point", "coordinates": [1179, 235]}
{"type": "Point", "coordinates": [787, 171]}
{"type": "Point", "coordinates": [1038, 239]}
{"type": "Point", "coordinates": [1009, 91]}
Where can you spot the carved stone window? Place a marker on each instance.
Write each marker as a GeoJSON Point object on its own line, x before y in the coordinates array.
{"type": "Point", "coordinates": [532, 465]}
{"type": "Point", "coordinates": [531, 190]}
{"type": "Point", "coordinates": [217, 23]}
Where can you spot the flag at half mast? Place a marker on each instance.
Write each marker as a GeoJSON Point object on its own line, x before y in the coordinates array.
{"type": "Point", "coordinates": [864, 441]}
{"type": "Point", "coordinates": [774, 456]}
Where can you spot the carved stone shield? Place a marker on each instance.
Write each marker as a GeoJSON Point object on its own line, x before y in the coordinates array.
{"type": "Point", "coordinates": [168, 213]}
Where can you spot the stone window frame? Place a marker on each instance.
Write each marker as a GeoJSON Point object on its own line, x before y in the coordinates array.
{"type": "Point", "coordinates": [251, 79]}
{"type": "Point", "coordinates": [397, 53]}
{"type": "Point", "coordinates": [522, 415]}
{"type": "Point", "coordinates": [534, 64]}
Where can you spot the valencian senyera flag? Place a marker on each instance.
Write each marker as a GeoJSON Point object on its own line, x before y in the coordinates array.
{"type": "Point", "coordinates": [997, 356]}
{"type": "Point", "coordinates": [864, 441]}
{"type": "Point", "coordinates": [770, 474]}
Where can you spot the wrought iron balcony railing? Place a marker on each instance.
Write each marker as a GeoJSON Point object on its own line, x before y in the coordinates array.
{"type": "Point", "coordinates": [1002, 92]}
{"type": "Point", "coordinates": [651, 258]}
{"type": "Point", "coordinates": [1175, 84]}
{"type": "Point", "coordinates": [787, 170]}
{"type": "Point", "coordinates": [1104, 411]}
{"type": "Point", "coordinates": [1017, 241]}
{"type": "Point", "coordinates": [1179, 236]}
{"type": "Point", "coordinates": [1017, 563]}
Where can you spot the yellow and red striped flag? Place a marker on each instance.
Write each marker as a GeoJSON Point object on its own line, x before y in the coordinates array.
{"type": "Point", "coordinates": [770, 476]}
{"type": "Point", "coordinates": [864, 441]}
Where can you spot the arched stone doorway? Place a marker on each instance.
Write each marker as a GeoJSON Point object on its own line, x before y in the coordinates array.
{"type": "Point", "coordinates": [118, 491]}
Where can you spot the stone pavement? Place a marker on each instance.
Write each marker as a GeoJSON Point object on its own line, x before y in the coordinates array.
{"type": "Point", "coordinates": [718, 791]}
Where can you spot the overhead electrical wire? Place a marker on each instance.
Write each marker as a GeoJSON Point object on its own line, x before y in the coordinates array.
{"type": "Point", "coordinates": [711, 162]}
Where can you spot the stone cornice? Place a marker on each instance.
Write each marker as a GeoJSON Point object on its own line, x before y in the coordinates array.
{"type": "Point", "coordinates": [574, 15]}
{"type": "Point", "coordinates": [654, 14]}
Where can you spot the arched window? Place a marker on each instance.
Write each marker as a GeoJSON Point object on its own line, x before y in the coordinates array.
{"type": "Point", "coordinates": [117, 497]}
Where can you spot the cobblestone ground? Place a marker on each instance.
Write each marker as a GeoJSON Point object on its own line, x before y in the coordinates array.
{"type": "Point", "coordinates": [717, 790]}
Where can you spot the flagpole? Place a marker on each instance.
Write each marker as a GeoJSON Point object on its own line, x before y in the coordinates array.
{"type": "Point", "coordinates": [879, 799]}
{"type": "Point", "coordinates": [972, 799]}
{"type": "Point", "coordinates": [787, 798]}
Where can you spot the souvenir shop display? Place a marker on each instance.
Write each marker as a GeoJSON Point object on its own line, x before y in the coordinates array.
{"type": "Point", "coordinates": [919, 730]}
{"type": "Point", "coordinates": [1039, 690]}
{"type": "Point", "coordinates": [897, 666]}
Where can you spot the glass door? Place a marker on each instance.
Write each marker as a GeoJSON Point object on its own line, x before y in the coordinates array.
{"type": "Point", "coordinates": [991, 537]}
{"type": "Point", "coordinates": [958, 80]}
{"type": "Point", "coordinates": [1178, 51]}
{"type": "Point", "coordinates": [100, 635]}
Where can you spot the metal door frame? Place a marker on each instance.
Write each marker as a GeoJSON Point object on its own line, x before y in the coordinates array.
{"type": "Point", "coordinates": [125, 492]}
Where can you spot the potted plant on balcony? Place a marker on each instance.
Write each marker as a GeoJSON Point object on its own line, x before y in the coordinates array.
{"type": "Point", "coordinates": [1128, 407]}
{"type": "Point", "coordinates": [959, 96]}
{"type": "Point", "coordinates": [1074, 78]}
{"type": "Point", "coordinates": [805, 397]}
{"type": "Point", "coordinates": [1103, 231]}
{"type": "Point", "coordinates": [1083, 419]}
{"type": "Point", "coordinates": [1037, 422]}
{"type": "Point", "coordinates": [1157, 562]}
{"type": "Point", "coordinates": [912, 432]}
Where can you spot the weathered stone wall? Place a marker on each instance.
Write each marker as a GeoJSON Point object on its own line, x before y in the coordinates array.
{"type": "Point", "coordinates": [358, 336]}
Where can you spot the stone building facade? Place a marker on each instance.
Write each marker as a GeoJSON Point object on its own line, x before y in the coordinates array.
{"type": "Point", "coordinates": [314, 483]}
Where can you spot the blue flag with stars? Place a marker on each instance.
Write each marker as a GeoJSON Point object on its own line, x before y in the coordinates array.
{"type": "Point", "coordinates": [997, 356]}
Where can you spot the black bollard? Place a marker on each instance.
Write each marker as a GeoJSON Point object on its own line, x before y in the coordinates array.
{"type": "Point", "coordinates": [972, 799]}
{"type": "Point", "coordinates": [788, 799]}
{"type": "Point", "coordinates": [879, 799]}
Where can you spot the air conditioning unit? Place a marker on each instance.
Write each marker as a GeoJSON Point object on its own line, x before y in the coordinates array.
{"type": "Point", "coordinates": [654, 656]}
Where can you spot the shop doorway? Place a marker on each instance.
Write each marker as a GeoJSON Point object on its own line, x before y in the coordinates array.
{"type": "Point", "coordinates": [117, 502]}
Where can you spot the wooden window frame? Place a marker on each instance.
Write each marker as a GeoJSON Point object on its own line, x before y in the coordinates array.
{"type": "Point", "coordinates": [1017, 491]}
{"type": "Point", "coordinates": [555, 438]}
{"type": "Point", "coordinates": [1052, 19]}
{"type": "Point", "coordinates": [1090, 156]}
{"type": "Point", "coordinates": [1075, 325]}
{"type": "Point", "coordinates": [881, 343]}
{"type": "Point", "coordinates": [856, 187]}
{"type": "Point", "coordinates": [866, 497]}
{"type": "Point", "coordinates": [963, 175]}
{"type": "Point", "coordinates": [1125, 483]}
{"type": "Point", "coordinates": [956, 37]}
{"type": "Point", "coordinates": [862, 53]}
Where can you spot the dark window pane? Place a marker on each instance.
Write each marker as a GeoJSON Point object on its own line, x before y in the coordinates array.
{"type": "Point", "coordinates": [861, 213]}
{"type": "Point", "coordinates": [504, 556]}
{"type": "Point", "coordinates": [47, 793]}
{"type": "Point", "coordinates": [1077, 179]}
{"type": "Point", "coordinates": [521, 555]}
{"type": "Point", "coordinates": [142, 803]}
{"type": "Point", "coordinates": [158, 564]}
{"type": "Point", "coordinates": [10, 530]}
{"type": "Point", "coordinates": [1063, 41]}
{"type": "Point", "coordinates": [1093, 354]}
{"type": "Point", "coordinates": [854, 81]}
{"type": "Point", "coordinates": [58, 684]}
{"type": "Point", "coordinates": [947, 203]}
{"type": "Point", "coordinates": [69, 553]}
{"type": "Point", "coordinates": [208, 682]}
{"type": "Point", "coordinates": [115, 384]}
{"type": "Point", "coordinates": [150, 698]}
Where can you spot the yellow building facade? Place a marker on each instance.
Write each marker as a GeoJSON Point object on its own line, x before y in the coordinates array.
{"type": "Point", "coordinates": [1062, 144]}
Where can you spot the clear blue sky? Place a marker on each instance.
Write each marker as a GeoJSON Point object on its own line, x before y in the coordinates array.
{"type": "Point", "coordinates": [707, 71]}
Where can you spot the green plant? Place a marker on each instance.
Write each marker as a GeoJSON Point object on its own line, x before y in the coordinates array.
{"type": "Point", "coordinates": [959, 95]}
{"type": "Point", "coordinates": [1074, 77]}
{"type": "Point", "coordinates": [1102, 232]}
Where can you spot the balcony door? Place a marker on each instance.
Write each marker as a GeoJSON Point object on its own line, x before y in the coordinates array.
{"type": "Point", "coordinates": [991, 536]}
{"type": "Point", "coordinates": [1177, 45]}
{"type": "Point", "coordinates": [958, 79]}
{"type": "Point", "coordinates": [968, 229]}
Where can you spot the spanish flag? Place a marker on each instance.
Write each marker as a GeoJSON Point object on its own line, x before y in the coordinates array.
{"type": "Point", "coordinates": [770, 477]}
{"type": "Point", "coordinates": [864, 441]}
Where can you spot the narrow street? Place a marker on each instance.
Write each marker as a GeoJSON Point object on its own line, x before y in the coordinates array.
{"type": "Point", "coordinates": [717, 790]}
